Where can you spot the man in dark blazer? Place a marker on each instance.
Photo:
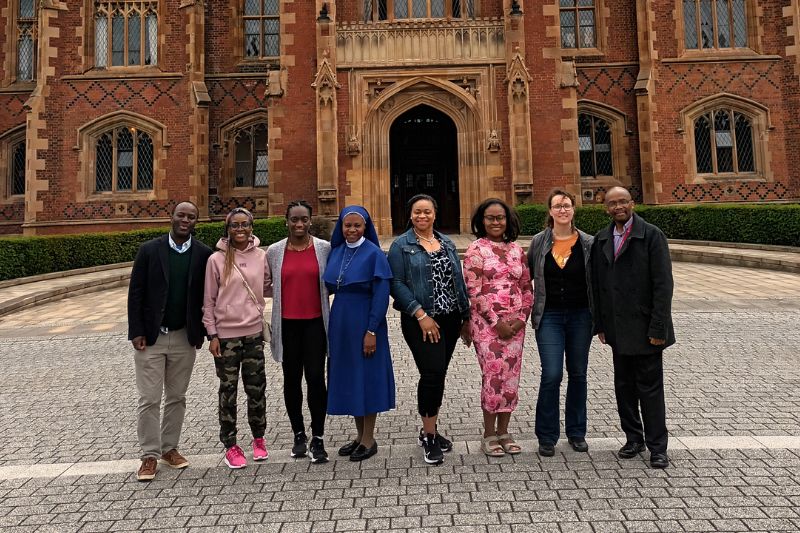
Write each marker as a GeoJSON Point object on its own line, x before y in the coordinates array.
{"type": "Point", "coordinates": [632, 286]}
{"type": "Point", "coordinates": [165, 326]}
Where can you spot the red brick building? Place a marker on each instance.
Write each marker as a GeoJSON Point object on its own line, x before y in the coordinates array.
{"type": "Point", "coordinates": [112, 111]}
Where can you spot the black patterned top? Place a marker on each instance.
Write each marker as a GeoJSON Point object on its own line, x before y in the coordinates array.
{"type": "Point", "coordinates": [444, 294]}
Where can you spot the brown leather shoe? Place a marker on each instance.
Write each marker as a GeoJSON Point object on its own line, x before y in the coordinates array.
{"type": "Point", "coordinates": [148, 469]}
{"type": "Point", "coordinates": [174, 459]}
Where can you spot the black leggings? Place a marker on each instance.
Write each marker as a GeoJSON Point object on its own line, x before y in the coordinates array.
{"type": "Point", "coordinates": [432, 358]}
{"type": "Point", "coordinates": [304, 348]}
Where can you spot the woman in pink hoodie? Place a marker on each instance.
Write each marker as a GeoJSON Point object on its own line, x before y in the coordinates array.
{"type": "Point", "coordinates": [236, 277]}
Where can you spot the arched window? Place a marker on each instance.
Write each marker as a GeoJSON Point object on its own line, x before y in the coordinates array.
{"type": "Point", "coordinates": [261, 29]}
{"type": "Point", "coordinates": [251, 152]}
{"type": "Point", "coordinates": [418, 9]}
{"type": "Point", "coordinates": [577, 18]}
{"type": "Point", "coordinates": [723, 143]}
{"type": "Point", "coordinates": [594, 145]}
{"type": "Point", "coordinates": [26, 40]}
{"type": "Point", "coordinates": [125, 33]}
{"type": "Point", "coordinates": [16, 185]}
{"type": "Point", "coordinates": [715, 24]}
{"type": "Point", "coordinates": [124, 160]}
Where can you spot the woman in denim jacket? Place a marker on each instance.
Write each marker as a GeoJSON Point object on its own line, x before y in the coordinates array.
{"type": "Point", "coordinates": [428, 289]}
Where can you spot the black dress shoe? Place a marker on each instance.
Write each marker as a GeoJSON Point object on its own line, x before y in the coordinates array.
{"type": "Point", "coordinates": [362, 452]}
{"type": "Point", "coordinates": [659, 460]}
{"type": "Point", "coordinates": [578, 444]}
{"type": "Point", "coordinates": [348, 448]}
{"type": "Point", "coordinates": [631, 450]}
{"type": "Point", "coordinates": [547, 450]}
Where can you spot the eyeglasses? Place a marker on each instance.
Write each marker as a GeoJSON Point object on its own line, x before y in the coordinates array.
{"type": "Point", "coordinates": [616, 203]}
{"type": "Point", "coordinates": [498, 218]}
{"type": "Point", "coordinates": [240, 225]}
{"type": "Point", "coordinates": [561, 207]}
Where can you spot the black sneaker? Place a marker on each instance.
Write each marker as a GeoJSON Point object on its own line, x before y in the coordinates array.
{"type": "Point", "coordinates": [318, 453]}
{"type": "Point", "coordinates": [432, 453]}
{"type": "Point", "coordinates": [299, 449]}
{"type": "Point", "coordinates": [444, 443]}
{"type": "Point", "coordinates": [631, 450]}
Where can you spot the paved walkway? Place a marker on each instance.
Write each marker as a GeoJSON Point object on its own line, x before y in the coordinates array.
{"type": "Point", "coordinates": [67, 416]}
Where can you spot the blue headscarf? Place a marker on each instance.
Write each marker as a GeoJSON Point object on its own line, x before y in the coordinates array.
{"type": "Point", "coordinates": [360, 264]}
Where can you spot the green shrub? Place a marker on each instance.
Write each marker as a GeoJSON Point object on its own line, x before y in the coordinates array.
{"type": "Point", "coordinates": [747, 223]}
{"type": "Point", "coordinates": [29, 256]}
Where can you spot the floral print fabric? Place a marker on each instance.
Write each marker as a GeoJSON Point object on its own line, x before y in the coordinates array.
{"type": "Point", "coordinates": [499, 288]}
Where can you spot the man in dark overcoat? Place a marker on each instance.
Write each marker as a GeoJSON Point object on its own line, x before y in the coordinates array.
{"type": "Point", "coordinates": [165, 326]}
{"type": "Point", "coordinates": [632, 286]}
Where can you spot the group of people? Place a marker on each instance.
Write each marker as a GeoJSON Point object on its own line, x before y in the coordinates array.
{"type": "Point", "coordinates": [571, 286]}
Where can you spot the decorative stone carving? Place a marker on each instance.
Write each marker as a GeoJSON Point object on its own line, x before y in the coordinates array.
{"type": "Point", "coordinates": [518, 77]}
{"type": "Point", "coordinates": [493, 144]}
{"type": "Point", "coordinates": [353, 145]}
{"type": "Point", "coordinates": [325, 83]}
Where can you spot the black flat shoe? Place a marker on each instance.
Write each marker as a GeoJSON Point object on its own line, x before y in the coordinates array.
{"type": "Point", "coordinates": [349, 448]}
{"type": "Point", "coordinates": [631, 450]}
{"type": "Point", "coordinates": [362, 452]}
{"type": "Point", "coordinates": [578, 444]}
{"type": "Point", "coordinates": [547, 450]}
{"type": "Point", "coordinates": [659, 460]}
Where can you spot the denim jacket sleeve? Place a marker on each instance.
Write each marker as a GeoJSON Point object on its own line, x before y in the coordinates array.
{"type": "Point", "coordinates": [401, 283]}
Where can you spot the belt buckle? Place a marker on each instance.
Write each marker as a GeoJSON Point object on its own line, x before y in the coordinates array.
{"type": "Point", "coordinates": [163, 330]}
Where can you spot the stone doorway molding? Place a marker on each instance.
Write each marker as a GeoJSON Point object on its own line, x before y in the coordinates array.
{"type": "Point", "coordinates": [379, 98]}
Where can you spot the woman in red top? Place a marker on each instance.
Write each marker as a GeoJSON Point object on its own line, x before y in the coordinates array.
{"type": "Point", "coordinates": [299, 326]}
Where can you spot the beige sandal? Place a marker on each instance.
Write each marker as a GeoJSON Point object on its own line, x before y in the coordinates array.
{"type": "Point", "coordinates": [491, 447]}
{"type": "Point", "coordinates": [510, 446]}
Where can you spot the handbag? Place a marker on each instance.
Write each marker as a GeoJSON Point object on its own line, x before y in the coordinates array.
{"type": "Point", "coordinates": [266, 327]}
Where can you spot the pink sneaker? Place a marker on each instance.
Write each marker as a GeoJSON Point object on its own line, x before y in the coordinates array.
{"type": "Point", "coordinates": [234, 457]}
{"type": "Point", "coordinates": [260, 452]}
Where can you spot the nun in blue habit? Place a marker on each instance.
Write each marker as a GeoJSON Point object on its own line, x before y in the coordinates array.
{"type": "Point", "coordinates": [360, 374]}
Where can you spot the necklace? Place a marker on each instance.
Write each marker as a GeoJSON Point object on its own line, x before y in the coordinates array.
{"type": "Point", "coordinates": [421, 238]}
{"type": "Point", "coordinates": [292, 247]}
{"type": "Point", "coordinates": [344, 267]}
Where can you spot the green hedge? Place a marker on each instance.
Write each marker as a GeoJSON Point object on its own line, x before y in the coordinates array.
{"type": "Point", "coordinates": [28, 256]}
{"type": "Point", "coordinates": [746, 223]}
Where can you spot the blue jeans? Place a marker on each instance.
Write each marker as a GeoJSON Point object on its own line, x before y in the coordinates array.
{"type": "Point", "coordinates": [563, 333]}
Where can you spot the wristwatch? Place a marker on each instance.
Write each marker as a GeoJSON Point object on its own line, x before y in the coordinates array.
{"type": "Point", "coordinates": [370, 333]}
{"type": "Point", "coordinates": [211, 337]}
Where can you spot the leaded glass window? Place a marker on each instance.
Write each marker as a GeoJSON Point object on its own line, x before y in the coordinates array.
{"type": "Point", "coordinates": [125, 33]}
{"type": "Point", "coordinates": [723, 143]}
{"type": "Point", "coordinates": [252, 161]}
{"type": "Point", "coordinates": [262, 29]}
{"type": "Point", "coordinates": [594, 146]}
{"type": "Point", "coordinates": [577, 23]}
{"type": "Point", "coordinates": [714, 24]}
{"type": "Point", "coordinates": [124, 161]}
{"type": "Point", "coordinates": [26, 40]}
{"type": "Point", "coordinates": [375, 10]}
{"type": "Point", "coordinates": [17, 185]}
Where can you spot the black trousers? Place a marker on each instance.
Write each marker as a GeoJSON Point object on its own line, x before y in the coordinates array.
{"type": "Point", "coordinates": [639, 384]}
{"type": "Point", "coordinates": [432, 358]}
{"type": "Point", "coordinates": [304, 348]}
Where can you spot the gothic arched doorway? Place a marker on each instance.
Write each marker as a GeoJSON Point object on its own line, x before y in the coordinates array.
{"type": "Point", "coordinates": [423, 156]}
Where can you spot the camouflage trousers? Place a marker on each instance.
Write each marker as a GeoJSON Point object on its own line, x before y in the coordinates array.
{"type": "Point", "coordinates": [247, 354]}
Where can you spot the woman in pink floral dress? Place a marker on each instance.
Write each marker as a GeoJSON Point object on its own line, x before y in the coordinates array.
{"type": "Point", "coordinates": [501, 296]}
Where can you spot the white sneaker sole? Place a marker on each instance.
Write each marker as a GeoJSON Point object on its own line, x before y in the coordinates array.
{"type": "Point", "coordinates": [261, 458]}
{"type": "Point", "coordinates": [233, 467]}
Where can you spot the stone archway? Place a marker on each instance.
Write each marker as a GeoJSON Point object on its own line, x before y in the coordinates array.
{"type": "Point", "coordinates": [370, 181]}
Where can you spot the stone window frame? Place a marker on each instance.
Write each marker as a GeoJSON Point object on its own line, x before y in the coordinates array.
{"type": "Point", "coordinates": [89, 133]}
{"type": "Point", "coordinates": [602, 16]}
{"type": "Point", "coordinates": [754, 35]}
{"type": "Point", "coordinates": [237, 39]}
{"type": "Point", "coordinates": [262, 18]}
{"type": "Point", "coordinates": [8, 142]}
{"type": "Point", "coordinates": [227, 135]}
{"type": "Point", "coordinates": [761, 124]}
{"type": "Point", "coordinates": [88, 48]}
{"type": "Point", "coordinates": [13, 28]}
{"type": "Point", "coordinates": [620, 159]}
{"type": "Point", "coordinates": [387, 6]}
